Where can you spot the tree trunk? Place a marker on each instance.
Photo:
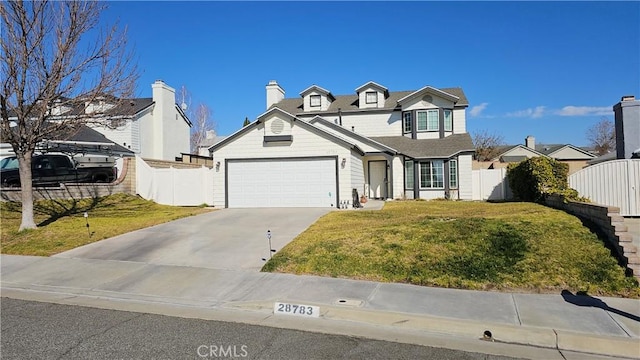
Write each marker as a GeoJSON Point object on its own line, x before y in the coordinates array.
{"type": "Point", "coordinates": [26, 188]}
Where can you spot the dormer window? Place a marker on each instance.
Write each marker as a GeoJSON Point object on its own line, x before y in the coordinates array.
{"type": "Point", "coordinates": [315, 101]}
{"type": "Point", "coordinates": [371, 97]}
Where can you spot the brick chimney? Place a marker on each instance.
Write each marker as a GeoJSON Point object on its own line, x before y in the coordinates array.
{"type": "Point", "coordinates": [275, 93]}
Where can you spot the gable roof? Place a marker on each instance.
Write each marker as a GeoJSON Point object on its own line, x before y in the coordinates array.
{"type": "Point", "coordinates": [349, 103]}
{"type": "Point", "coordinates": [302, 123]}
{"type": "Point", "coordinates": [551, 149]}
{"type": "Point", "coordinates": [317, 89]}
{"type": "Point", "coordinates": [430, 90]}
{"type": "Point", "coordinates": [503, 151]}
{"type": "Point", "coordinates": [429, 148]}
{"type": "Point", "coordinates": [372, 84]}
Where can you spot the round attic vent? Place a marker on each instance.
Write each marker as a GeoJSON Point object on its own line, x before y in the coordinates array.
{"type": "Point", "coordinates": [277, 126]}
{"type": "Point", "coordinates": [427, 98]}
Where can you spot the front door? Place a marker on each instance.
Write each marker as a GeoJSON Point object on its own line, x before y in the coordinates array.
{"type": "Point", "coordinates": [377, 179]}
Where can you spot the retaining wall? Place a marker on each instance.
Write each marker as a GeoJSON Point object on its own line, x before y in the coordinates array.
{"type": "Point", "coordinates": [609, 224]}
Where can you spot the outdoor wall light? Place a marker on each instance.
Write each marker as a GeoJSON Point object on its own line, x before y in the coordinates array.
{"type": "Point", "coordinates": [217, 165]}
{"type": "Point", "coordinates": [344, 162]}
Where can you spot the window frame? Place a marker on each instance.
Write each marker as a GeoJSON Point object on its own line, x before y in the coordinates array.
{"type": "Point", "coordinates": [407, 116]}
{"type": "Point", "coordinates": [429, 179]}
{"type": "Point", "coordinates": [409, 165]}
{"type": "Point", "coordinates": [426, 127]}
{"type": "Point", "coordinates": [315, 97]}
{"type": "Point", "coordinates": [366, 97]}
{"type": "Point", "coordinates": [450, 120]}
{"type": "Point", "coordinates": [453, 174]}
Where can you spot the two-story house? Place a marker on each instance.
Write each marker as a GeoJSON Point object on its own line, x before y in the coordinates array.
{"type": "Point", "coordinates": [154, 128]}
{"type": "Point", "coordinates": [315, 149]}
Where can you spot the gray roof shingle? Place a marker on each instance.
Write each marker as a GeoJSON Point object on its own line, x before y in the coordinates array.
{"type": "Point", "coordinates": [428, 148]}
{"type": "Point", "coordinates": [348, 103]}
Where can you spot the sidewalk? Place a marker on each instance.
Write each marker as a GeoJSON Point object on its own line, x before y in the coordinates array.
{"type": "Point", "coordinates": [395, 312]}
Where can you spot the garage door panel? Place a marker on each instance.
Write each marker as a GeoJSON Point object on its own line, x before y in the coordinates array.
{"type": "Point", "coordinates": [281, 183]}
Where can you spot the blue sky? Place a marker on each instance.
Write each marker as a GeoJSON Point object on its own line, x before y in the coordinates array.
{"type": "Point", "coordinates": [547, 69]}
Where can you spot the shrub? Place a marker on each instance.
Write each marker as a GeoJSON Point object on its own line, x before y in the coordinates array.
{"type": "Point", "coordinates": [535, 178]}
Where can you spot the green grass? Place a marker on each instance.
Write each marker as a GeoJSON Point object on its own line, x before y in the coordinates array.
{"type": "Point", "coordinates": [470, 245]}
{"type": "Point", "coordinates": [62, 226]}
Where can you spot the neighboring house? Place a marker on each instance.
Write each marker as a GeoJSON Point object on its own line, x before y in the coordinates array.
{"type": "Point", "coordinates": [211, 138]}
{"type": "Point", "coordinates": [576, 157]}
{"type": "Point", "coordinates": [316, 149]}
{"type": "Point", "coordinates": [156, 128]}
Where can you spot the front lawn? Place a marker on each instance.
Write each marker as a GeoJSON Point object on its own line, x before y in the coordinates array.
{"type": "Point", "coordinates": [471, 245]}
{"type": "Point", "coordinates": [62, 226]}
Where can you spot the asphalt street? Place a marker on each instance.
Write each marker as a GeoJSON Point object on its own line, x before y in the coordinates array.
{"type": "Point", "coordinates": [36, 330]}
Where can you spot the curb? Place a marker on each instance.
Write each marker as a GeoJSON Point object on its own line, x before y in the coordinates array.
{"type": "Point", "coordinates": [563, 340]}
{"type": "Point", "coordinates": [353, 320]}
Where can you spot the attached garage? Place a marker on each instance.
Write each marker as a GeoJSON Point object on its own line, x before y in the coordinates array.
{"type": "Point", "coordinates": [282, 182]}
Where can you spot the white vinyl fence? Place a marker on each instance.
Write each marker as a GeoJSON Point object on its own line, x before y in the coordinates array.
{"type": "Point", "coordinates": [490, 184]}
{"type": "Point", "coordinates": [178, 187]}
{"type": "Point", "coordinates": [612, 183]}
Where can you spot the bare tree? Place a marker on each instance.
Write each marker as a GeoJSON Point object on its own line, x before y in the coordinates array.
{"type": "Point", "coordinates": [55, 58]}
{"type": "Point", "coordinates": [203, 124]}
{"type": "Point", "coordinates": [487, 144]}
{"type": "Point", "coordinates": [602, 136]}
{"type": "Point", "coordinates": [201, 117]}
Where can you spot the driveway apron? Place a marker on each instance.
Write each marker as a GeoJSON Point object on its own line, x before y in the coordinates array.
{"type": "Point", "coordinates": [233, 239]}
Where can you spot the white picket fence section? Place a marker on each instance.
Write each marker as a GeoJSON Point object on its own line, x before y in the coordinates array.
{"type": "Point", "coordinates": [490, 184]}
{"type": "Point", "coordinates": [613, 183]}
{"type": "Point", "coordinates": [171, 186]}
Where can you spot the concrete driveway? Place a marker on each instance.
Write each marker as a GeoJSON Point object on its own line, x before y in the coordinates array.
{"type": "Point", "coordinates": [233, 239]}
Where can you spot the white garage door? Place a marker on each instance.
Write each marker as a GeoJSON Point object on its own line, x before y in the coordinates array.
{"type": "Point", "coordinates": [282, 183]}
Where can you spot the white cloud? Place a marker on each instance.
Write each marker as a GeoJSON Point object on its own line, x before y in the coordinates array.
{"type": "Point", "coordinates": [533, 113]}
{"type": "Point", "coordinates": [476, 110]}
{"type": "Point", "coordinates": [584, 110]}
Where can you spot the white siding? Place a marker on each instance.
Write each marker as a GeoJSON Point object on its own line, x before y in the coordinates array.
{"type": "Point", "coordinates": [374, 124]}
{"type": "Point", "coordinates": [465, 186]}
{"type": "Point", "coordinates": [357, 172]}
{"type": "Point", "coordinates": [368, 124]}
{"type": "Point", "coordinates": [250, 145]}
{"type": "Point", "coordinates": [398, 176]}
{"type": "Point", "coordinates": [613, 183]}
{"type": "Point", "coordinates": [122, 135]}
{"type": "Point", "coordinates": [420, 103]}
{"type": "Point", "coordinates": [459, 121]}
